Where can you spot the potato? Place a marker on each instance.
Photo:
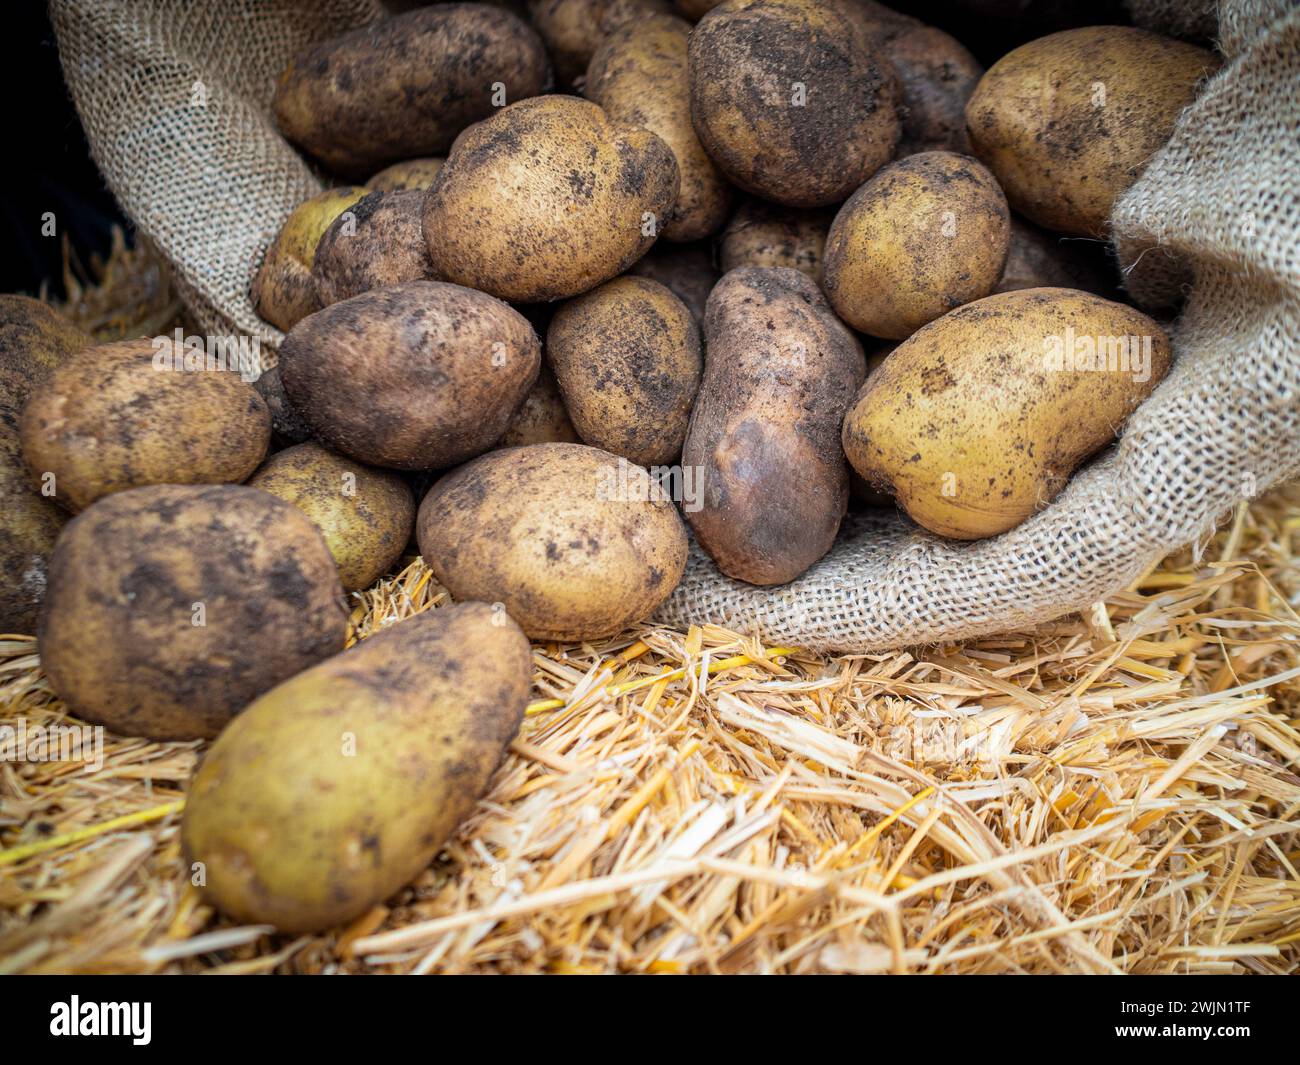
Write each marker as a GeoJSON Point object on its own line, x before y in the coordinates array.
{"type": "Point", "coordinates": [576, 543]}
{"type": "Point", "coordinates": [627, 360]}
{"type": "Point", "coordinates": [685, 269]}
{"type": "Point", "coordinates": [283, 290]}
{"type": "Point", "coordinates": [1067, 122]}
{"type": "Point", "coordinates": [765, 234]}
{"type": "Point", "coordinates": [1039, 259]}
{"type": "Point", "coordinates": [170, 607]}
{"type": "Point", "coordinates": [379, 241]}
{"type": "Point", "coordinates": [936, 75]}
{"type": "Point", "coordinates": [547, 199]}
{"type": "Point", "coordinates": [541, 418]}
{"type": "Point", "coordinates": [409, 174]}
{"type": "Point", "coordinates": [638, 75]}
{"type": "Point", "coordinates": [364, 514]}
{"type": "Point", "coordinates": [34, 339]}
{"type": "Point", "coordinates": [574, 29]}
{"type": "Point", "coordinates": [790, 99]}
{"type": "Point", "coordinates": [926, 234]}
{"type": "Point", "coordinates": [978, 420]}
{"type": "Point", "coordinates": [405, 87]}
{"type": "Point", "coordinates": [335, 789]}
{"type": "Point", "coordinates": [134, 413]}
{"type": "Point", "coordinates": [763, 437]}
{"type": "Point", "coordinates": [414, 377]}
{"type": "Point", "coordinates": [31, 525]}
{"type": "Point", "coordinates": [287, 425]}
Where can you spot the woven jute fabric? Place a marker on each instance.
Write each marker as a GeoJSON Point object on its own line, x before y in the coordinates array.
{"type": "Point", "coordinates": [175, 96]}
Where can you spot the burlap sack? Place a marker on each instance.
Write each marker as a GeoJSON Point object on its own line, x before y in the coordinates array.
{"type": "Point", "coordinates": [174, 97]}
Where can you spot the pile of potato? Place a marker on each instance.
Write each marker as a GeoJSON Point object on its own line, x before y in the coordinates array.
{"type": "Point", "coordinates": [766, 245]}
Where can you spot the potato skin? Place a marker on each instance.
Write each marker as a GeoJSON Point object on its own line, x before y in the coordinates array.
{"type": "Point", "coordinates": [405, 87]}
{"type": "Point", "coordinates": [926, 234]}
{"type": "Point", "coordinates": [31, 525]}
{"type": "Point", "coordinates": [107, 420]}
{"type": "Point", "coordinates": [283, 290]}
{"type": "Point", "coordinates": [968, 425]}
{"type": "Point", "coordinates": [1039, 259]}
{"type": "Point", "coordinates": [639, 76]}
{"type": "Point", "coordinates": [118, 635]}
{"type": "Point", "coordinates": [687, 270]}
{"type": "Point", "coordinates": [548, 532]}
{"type": "Point", "coordinates": [574, 29]}
{"type": "Point", "coordinates": [541, 418]}
{"type": "Point", "coordinates": [766, 234]}
{"type": "Point", "coordinates": [747, 58]}
{"type": "Point", "coordinates": [34, 339]}
{"type": "Point", "coordinates": [1062, 154]}
{"type": "Point", "coordinates": [412, 377]}
{"type": "Point", "coordinates": [547, 199]}
{"type": "Point", "coordinates": [779, 373]}
{"type": "Point", "coordinates": [335, 789]}
{"type": "Point", "coordinates": [364, 514]}
{"type": "Point", "coordinates": [408, 174]}
{"type": "Point", "coordinates": [627, 361]}
{"type": "Point", "coordinates": [378, 241]}
{"type": "Point", "coordinates": [287, 426]}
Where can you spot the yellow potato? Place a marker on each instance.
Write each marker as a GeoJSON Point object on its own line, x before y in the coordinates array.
{"type": "Point", "coordinates": [410, 174]}
{"type": "Point", "coordinates": [766, 234]}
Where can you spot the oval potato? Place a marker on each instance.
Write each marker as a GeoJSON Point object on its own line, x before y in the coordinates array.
{"type": "Point", "coordinates": [766, 234]}
{"type": "Point", "coordinates": [378, 241]}
{"type": "Point", "coordinates": [541, 418]}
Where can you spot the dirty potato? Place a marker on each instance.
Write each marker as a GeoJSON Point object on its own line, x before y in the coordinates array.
{"type": "Point", "coordinates": [378, 241]}
{"type": "Point", "coordinates": [1067, 122]}
{"type": "Point", "coordinates": [547, 199]}
{"type": "Point", "coordinates": [287, 426]}
{"type": "Point", "coordinates": [627, 360]}
{"type": "Point", "coordinates": [405, 87]}
{"type": "Point", "coordinates": [780, 372]}
{"type": "Point", "coordinates": [978, 420]}
{"type": "Point", "coordinates": [574, 542]}
{"type": "Point", "coordinates": [364, 514]}
{"type": "Point", "coordinates": [574, 29]}
{"type": "Point", "coordinates": [30, 525]}
{"type": "Point", "coordinates": [141, 412]}
{"type": "Point", "coordinates": [170, 608]}
{"type": "Point", "coordinates": [34, 339]}
{"type": "Point", "coordinates": [685, 269]}
{"type": "Point", "coordinates": [926, 234]}
{"type": "Point", "coordinates": [414, 377]}
{"type": "Point", "coordinates": [541, 417]}
{"type": "Point", "coordinates": [1039, 259]}
{"type": "Point", "coordinates": [791, 100]}
{"type": "Point", "coordinates": [766, 234]}
{"type": "Point", "coordinates": [332, 791]}
{"type": "Point", "coordinates": [409, 174]}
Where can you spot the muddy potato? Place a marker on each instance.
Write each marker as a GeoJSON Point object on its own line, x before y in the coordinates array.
{"type": "Point", "coordinates": [926, 234]}
{"type": "Point", "coordinates": [405, 87]}
{"type": "Point", "coordinates": [978, 420]}
{"type": "Point", "coordinates": [936, 75]}
{"type": "Point", "coordinates": [378, 241]}
{"type": "Point", "coordinates": [335, 789]}
{"type": "Point", "coordinates": [790, 99]}
{"type": "Point", "coordinates": [1067, 122]}
{"type": "Point", "coordinates": [685, 269]}
{"type": "Point", "coordinates": [409, 174]}
{"type": "Point", "coordinates": [287, 426]}
{"type": "Point", "coordinates": [780, 372]}
{"type": "Point", "coordinates": [283, 290]}
{"type": "Point", "coordinates": [364, 514]}
{"type": "Point", "coordinates": [413, 377]}
{"type": "Point", "coordinates": [576, 543]}
{"type": "Point", "coordinates": [34, 339]}
{"type": "Point", "coordinates": [574, 29]}
{"type": "Point", "coordinates": [28, 529]}
{"type": "Point", "coordinates": [547, 199]}
{"type": "Point", "coordinates": [639, 76]}
{"type": "Point", "coordinates": [541, 418]}
{"type": "Point", "coordinates": [141, 412]}
{"type": "Point", "coordinates": [627, 360]}
{"type": "Point", "coordinates": [766, 234]}
{"type": "Point", "coordinates": [170, 608]}
{"type": "Point", "coordinates": [1039, 259]}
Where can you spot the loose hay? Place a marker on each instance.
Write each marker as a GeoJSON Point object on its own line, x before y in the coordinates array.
{"type": "Point", "coordinates": [1115, 792]}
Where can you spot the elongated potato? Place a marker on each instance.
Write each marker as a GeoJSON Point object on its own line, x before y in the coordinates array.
{"type": "Point", "coordinates": [779, 373]}
{"type": "Point", "coordinates": [547, 199]}
{"type": "Point", "coordinates": [791, 100]}
{"type": "Point", "coordinates": [639, 76]}
{"type": "Point", "coordinates": [926, 234]}
{"type": "Point", "coordinates": [170, 607]}
{"type": "Point", "coordinates": [332, 791]}
{"type": "Point", "coordinates": [1067, 122]}
{"type": "Point", "coordinates": [405, 87]}
{"type": "Point", "coordinates": [378, 241]}
{"type": "Point", "coordinates": [978, 420]}
{"type": "Point", "coordinates": [575, 542]}
{"type": "Point", "coordinates": [34, 339]}
{"type": "Point", "coordinates": [766, 234]}
{"type": "Point", "coordinates": [413, 377]}
{"type": "Point", "coordinates": [29, 526]}
{"type": "Point", "coordinates": [627, 360]}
